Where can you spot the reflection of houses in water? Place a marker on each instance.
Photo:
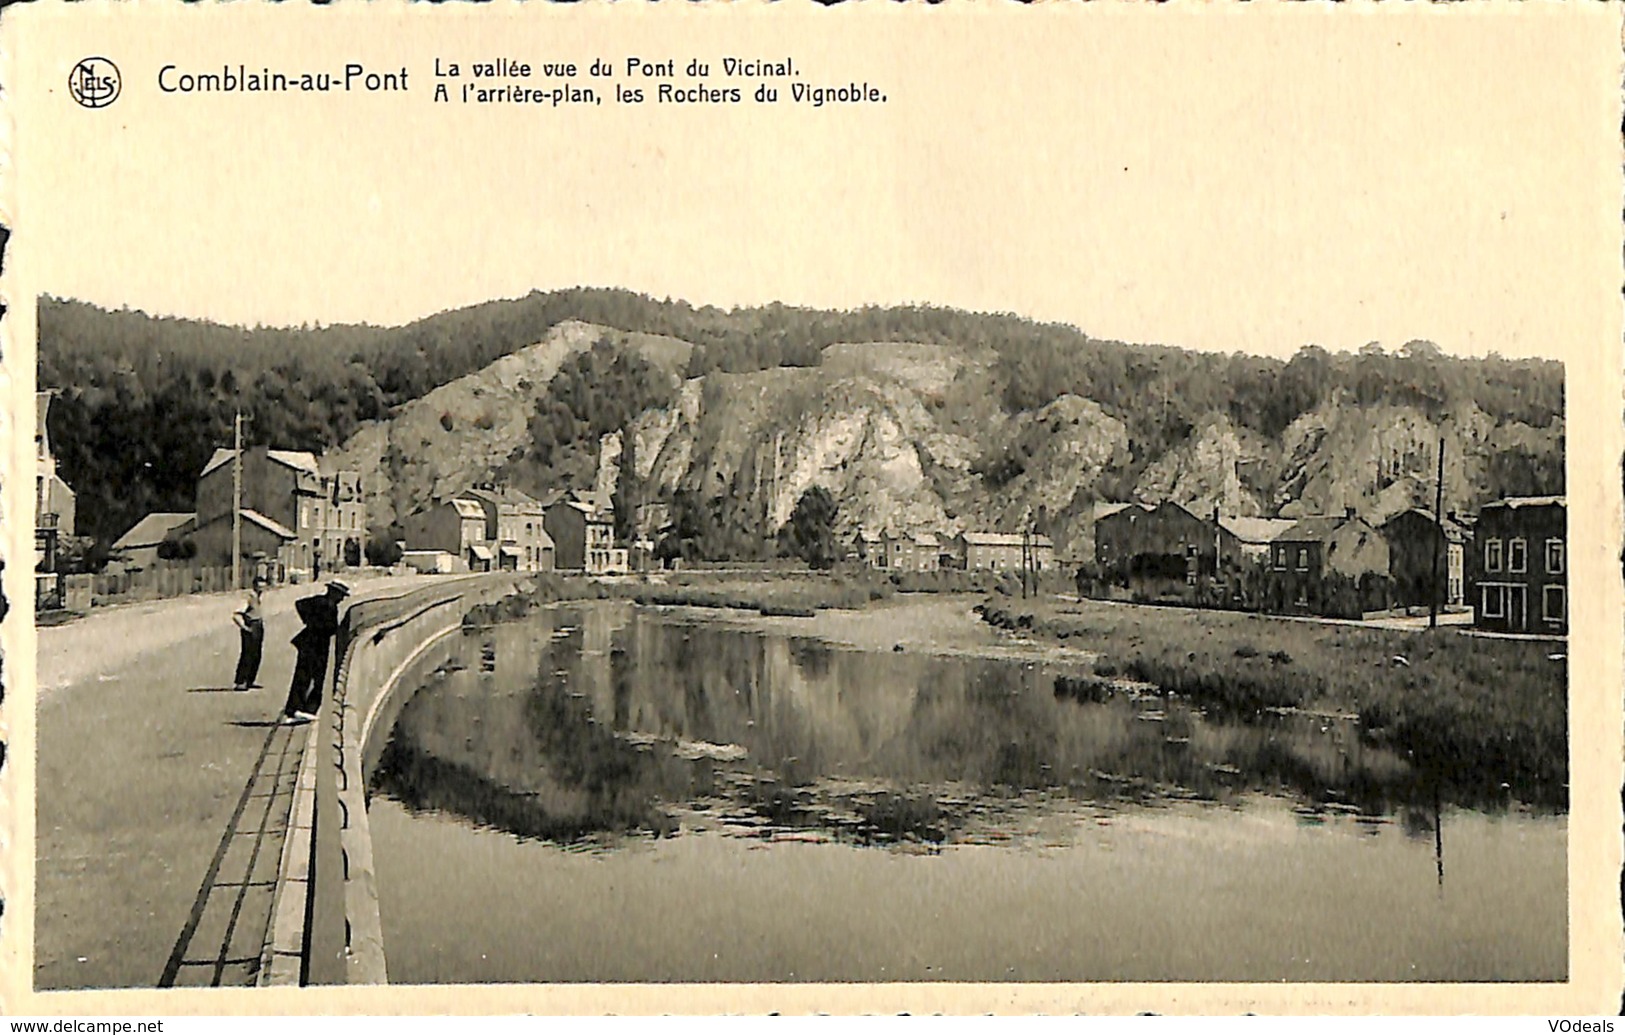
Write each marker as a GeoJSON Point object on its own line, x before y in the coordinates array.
{"type": "Point", "coordinates": [592, 673]}
{"type": "Point", "coordinates": [829, 710]}
{"type": "Point", "coordinates": [784, 701]}
{"type": "Point", "coordinates": [513, 747]}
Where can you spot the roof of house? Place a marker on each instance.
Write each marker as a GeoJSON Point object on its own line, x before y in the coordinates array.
{"type": "Point", "coordinates": [1005, 538]}
{"type": "Point", "coordinates": [1171, 505]}
{"type": "Point", "coordinates": [586, 510]}
{"type": "Point", "coordinates": [276, 528]}
{"type": "Point", "coordinates": [150, 530]}
{"type": "Point", "coordinates": [1453, 530]}
{"type": "Point", "coordinates": [299, 460]}
{"type": "Point", "coordinates": [1313, 529]}
{"type": "Point", "coordinates": [1103, 510]}
{"type": "Point", "coordinates": [1255, 529]}
{"type": "Point", "coordinates": [917, 538]}
{"type": "Point", "coordinates": [505, 496]}
{"type": "Point", "coordinates": [1514, 502]}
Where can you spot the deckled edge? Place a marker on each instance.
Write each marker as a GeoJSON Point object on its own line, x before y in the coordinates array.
{"type": "Point", "coordinates": [16, 370]}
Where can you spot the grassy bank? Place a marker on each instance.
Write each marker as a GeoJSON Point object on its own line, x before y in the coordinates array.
{"type": "Point", "coordinates": [790, 593]}
{"type": "Point", "coordinates": [770, 593]}
{"type": "Point", "coordinates": [1462, 708]}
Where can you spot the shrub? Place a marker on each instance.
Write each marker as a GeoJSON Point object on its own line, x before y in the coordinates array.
{"type": "Point", "coordinates": [383, 551]}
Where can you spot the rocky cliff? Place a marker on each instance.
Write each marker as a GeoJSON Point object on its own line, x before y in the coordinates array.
{"type": "Point", "coordinates": [463, 431]}
{"type": "Point", "coordinates": [912, 437]}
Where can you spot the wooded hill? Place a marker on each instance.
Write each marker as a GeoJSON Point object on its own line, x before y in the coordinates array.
{"type": "Point", "coordinates": [146, 399]}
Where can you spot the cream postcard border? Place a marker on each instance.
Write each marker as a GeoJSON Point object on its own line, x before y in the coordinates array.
{"type": "Point", "coordinates": [1595, 400]}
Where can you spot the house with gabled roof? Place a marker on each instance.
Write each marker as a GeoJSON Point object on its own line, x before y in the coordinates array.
{"type": "Point", "coordinates": [515, 525]}
{"type": "Point", "coordinates": [1246, 540]}
{"type": "Point", "coordinates": [583, 534]}
{"type": "Point", "coordinates": [1001, 551]}
{"type": "Point", "coordinates": [456, 527]}
{"type": "Point", "coordinates": [911, 551]}
{"type": "Point", "coordinates": [1305, 558]}
{"type": "Point", "coordinates": [1425, 551]}
{"type": "Point", "coordinates": [137, 549]}
{"type": "Point", "coordinates": [317, 519]}
{"type": "Point", "coordinates": [1164, 540]}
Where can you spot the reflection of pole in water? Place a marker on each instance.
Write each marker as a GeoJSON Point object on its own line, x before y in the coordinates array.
{"type": "Point", "coordinates": [1438, 834]}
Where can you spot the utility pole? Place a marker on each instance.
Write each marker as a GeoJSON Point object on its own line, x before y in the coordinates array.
{"type": "Point", "coordinates": [237, 500]}
{"type": "Point", "coordinates": [1438, 521]}
{"type": "Point", "coordinates": [1376, 483]}
{"type": "Point", "coordinates": [1026, 551]}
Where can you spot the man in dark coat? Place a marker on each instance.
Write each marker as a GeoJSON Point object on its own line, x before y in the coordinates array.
{"type": "Point", "coordinates": [320, 613]}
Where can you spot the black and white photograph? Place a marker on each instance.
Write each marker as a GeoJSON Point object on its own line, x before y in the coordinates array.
{"type": "Point", "coordinates": [1081, 499]}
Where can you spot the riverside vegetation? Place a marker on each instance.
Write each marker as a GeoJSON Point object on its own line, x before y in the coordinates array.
{"type": "Point", "coordinates": [1464, 710]}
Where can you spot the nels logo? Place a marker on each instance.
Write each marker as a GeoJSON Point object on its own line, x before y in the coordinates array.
{"type": "Point", "coordinates": [94, 82]}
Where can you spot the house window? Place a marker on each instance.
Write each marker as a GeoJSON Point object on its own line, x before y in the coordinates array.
{"type": "Point", "coordinates": [1554, 605]}
{"type": "Point", "coordinates": [1518, 556]}
{"type": "Point", "coordinates": [1493, 602]}
{"type": "Point", "coordinates": [1554, 556]}
{"type": "Point", "coordinates": [1492, 555]}
{"type": "Point", "coordinates": [1303, 558]}
{"type": "Point", "coordinates": [1280, 558]}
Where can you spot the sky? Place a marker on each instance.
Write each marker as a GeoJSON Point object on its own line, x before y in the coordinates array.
{"type": "Point", "coordinates": [1225, 180]}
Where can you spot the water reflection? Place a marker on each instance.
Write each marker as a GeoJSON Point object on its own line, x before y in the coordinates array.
{"type": "Point", "coordinates": [579, 724]}
{"type": "Point", "coordinates": [598, 793]}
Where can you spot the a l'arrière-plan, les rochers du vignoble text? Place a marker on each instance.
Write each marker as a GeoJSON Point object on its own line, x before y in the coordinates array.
{"type": "Point", "coordinates": [637, 80]}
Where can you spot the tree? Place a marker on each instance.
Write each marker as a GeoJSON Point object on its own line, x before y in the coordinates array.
{"type": "Point", "coordinates": [810, 532]}
{"type": "Point", "coordinates": [690, 525]}
{"type": "Point", "coordinates": [1525, 471]}
{"type": "Point", "coordinates": [382, 549]}
{"type": "Point", "coordinates": [78, 554]}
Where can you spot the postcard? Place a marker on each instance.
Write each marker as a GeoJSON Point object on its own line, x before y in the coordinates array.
{"type": "Point", "coordinates": [748, 507]}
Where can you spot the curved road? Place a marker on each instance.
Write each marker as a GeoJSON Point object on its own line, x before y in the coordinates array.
{"type": "Point", "coordinates": [159, 791]}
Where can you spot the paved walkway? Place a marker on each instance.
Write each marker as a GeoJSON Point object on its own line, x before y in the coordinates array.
{"type": "Point", "coordinates": [163, 795]}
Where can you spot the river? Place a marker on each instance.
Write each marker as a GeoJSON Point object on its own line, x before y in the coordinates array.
{"type": "Point", "coordinates": [600, 792]}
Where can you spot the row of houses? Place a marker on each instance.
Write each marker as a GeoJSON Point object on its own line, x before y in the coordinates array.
{"type": "Point", "coordinates": [965, 551]}
{"type": "Point", "coordinates": [294, 518]}
{"type": "Point", "coordinates": [1489, 563]}
{"type": "Point", "coordinates": [498, 528]}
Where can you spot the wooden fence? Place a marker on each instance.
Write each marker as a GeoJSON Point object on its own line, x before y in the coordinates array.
{"type": "Point", "coordinates": [80, 592]}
